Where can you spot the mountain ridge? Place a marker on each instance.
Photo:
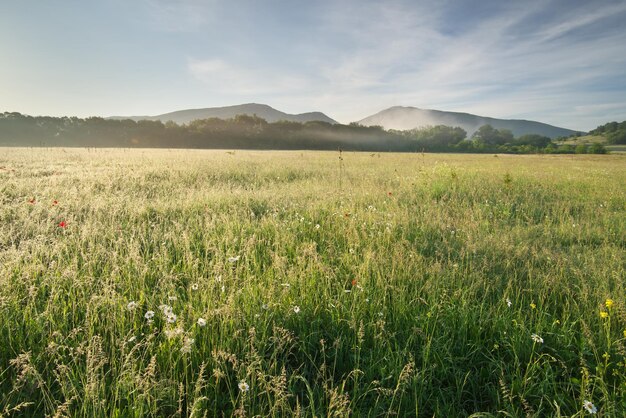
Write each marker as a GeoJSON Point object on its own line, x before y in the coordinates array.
{"type": "Point", "coordinates": [408, 117]}
{"type": "Point", "coordinates": [227, 112]}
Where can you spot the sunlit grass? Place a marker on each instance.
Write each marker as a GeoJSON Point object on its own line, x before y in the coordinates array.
{"type": "Point", "coordinates": [190, 283]}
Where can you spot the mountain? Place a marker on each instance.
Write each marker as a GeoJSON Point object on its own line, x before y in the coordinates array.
{"type": "Point", "coordinates": [263, 111]}
{"type": "Point", "coordinates": [406, 118]}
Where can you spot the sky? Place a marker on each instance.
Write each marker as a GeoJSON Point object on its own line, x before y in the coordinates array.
{"type": "Point", "coordinates": [561, 62]}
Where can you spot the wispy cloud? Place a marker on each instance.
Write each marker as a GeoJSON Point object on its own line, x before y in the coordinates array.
{"type": "Point", "coordinates": [488, 67]}
{"type": "Point", "coordinates": [179, 15]}
{"type": "Point", "coordinates": [224, 77]}
{"type": "Point", "coordinates": [557, 61]}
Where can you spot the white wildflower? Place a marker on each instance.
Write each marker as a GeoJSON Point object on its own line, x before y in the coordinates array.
{"type": "Point", "coordinates": [166, 309]}
{"type": "Point", "coordinates": [194, 286]}
{"type": "Point", "coordinates": [243, 386]}
{"type": "Point", "coordinates": [186, 348]}
{"type": "Point", "coordinates": [133, 338]}
{"type": "Point", "coordinates": [233, 259]}
{"type": "Point", "coordinates": [171, 318]}
{"type": "Point", "coordinates": [296, 309]}
{"type": "Point", "coordinates": [172, 298]}
{"type": "Point", "coordinates": [149, 315]}
{"type": "Point", "coordinates": [172, 333]}
{"type": "Point", "coordinates": [536, 338]}
{"type": "Point", "coordinates": [317, 226]}
{"type": "Point", "coordinates": [508, 302]}
{"type": "Point", "coordinates": [201, 322]}
{"type": "Point", "coordinates": [590, 407]}
{"type": "Point", "coordinates": [132, 305]}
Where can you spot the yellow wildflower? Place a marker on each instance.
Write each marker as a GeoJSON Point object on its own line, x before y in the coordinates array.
{"type": "Point", "coordinates": [533, 306]}
{"type": "Point", "coordinates": [604, 314]}
{"type": "Point", "coordinates": [609, 303]}
{"type": "Point", "coordinates": [625, 333]}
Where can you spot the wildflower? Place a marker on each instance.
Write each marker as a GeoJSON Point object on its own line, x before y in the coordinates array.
{"type": "Point", "coordinates": [149, 315]}
{"type": "Point", "coordinates": [590, 407]}
{"type": "Point", "coordinates": [171, 318]}
{"type": "Point", "coordinates": [32, 201]}
{"type": "Point", "coordinates": [508, 302]}
{"type": "Point", "coordinates": [133, 338]}
{"type": "Point", "coordinates": [223, 288]}
{"type": "Point", "coordinates": [354, 282]}
{"type": "Point", "coordinates": [625, 333]}
{"type": "Point", "coordinates": [186, 348]}
{"type": "Point", "coordinates": [265, 306]}
{"type": "Point", "coordinates": [62, 224]}
{"type": "Point", "coordinates": [194, 286]}
{"type": "Point", "coordinates": [173, 333]}
{"type": "Point", "coordinates": [609, 303]}
{"type": "Point", "coordinates": [317, 226]}
{"type": "Point", "coordinates": [218, 279]}
{"type": "Point", "coordinates": [233, 259]}
{"type": "Point", "coordinates": [166, 309]}
{"type": "Point", "coordinates": [131, 305]}
{"type": "Point", "coordinates": [243, 386]}
{"type": "Point", "coordinates": [201, 322]}
{"type": "Point", "coordinates": [604, 314]}
{"type": "Point", "coordinates": [172, 298]}
{"type": "Point", "coordinates": [389, 194]}
{"type": "Point", "coordinates": [537, 339]}
{"type": "Point", "coordinates": [533, 306]}
{"type": "Point", "coordinates": [347, 291]}
{"type": "Point", "coordinates": [55, 202]}
{"type": "Point", "coordinates": [296, 309]}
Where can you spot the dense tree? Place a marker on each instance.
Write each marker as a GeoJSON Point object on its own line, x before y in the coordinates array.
{"type": "Point", "coordinates": [252, 132]}
{"type": "Point", "coordinates": [489, 135]}
{"type": "Point", "coordinates": [534, 140]}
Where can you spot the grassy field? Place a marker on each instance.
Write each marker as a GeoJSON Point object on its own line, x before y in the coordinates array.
{"type": "Point", "coordinates": [205, 283]}
{"type": "Point", "coordinates": [592, 139]}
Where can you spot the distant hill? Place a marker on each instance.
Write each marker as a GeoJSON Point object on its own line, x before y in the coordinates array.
{"type": "Point", "coordinates": [406, 118]}
{"type": "Point", "coordinates": [261, 110]}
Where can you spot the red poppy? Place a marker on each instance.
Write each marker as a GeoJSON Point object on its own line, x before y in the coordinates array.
{"type": "Point", "coordinates": [353, 282]}
{"type": "Point", "coordinates": [55, 202]}
{"type": "Point", "coordinates": [62, 224]}
{"type": "Point", "coordinates": [389, 193]}
{"type": "Point", "coordinates": [347, 215]}
{"type": "Point", "coordinates": [32, 201]}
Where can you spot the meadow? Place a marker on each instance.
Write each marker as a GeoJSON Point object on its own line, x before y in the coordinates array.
{"type": "Point", "coordinates": [139, 283]}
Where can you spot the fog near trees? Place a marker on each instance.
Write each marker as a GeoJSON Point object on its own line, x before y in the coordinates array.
{"type": "Point", "coordinates": [252, 132]}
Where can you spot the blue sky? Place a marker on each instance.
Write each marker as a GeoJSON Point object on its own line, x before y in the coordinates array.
{"type": "Point", "coordinates": [560, 62]}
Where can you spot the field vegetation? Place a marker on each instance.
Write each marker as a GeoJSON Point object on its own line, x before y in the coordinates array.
{"type": "Point", "coordinates": [140, 283]}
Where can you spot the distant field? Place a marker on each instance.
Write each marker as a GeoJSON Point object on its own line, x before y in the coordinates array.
{"type": "Point", "coordinates": [585, 139]}
{"type": "Point", "coordinates": [141, 283]}
{"type": "Point", "coordinates": [616, 148]}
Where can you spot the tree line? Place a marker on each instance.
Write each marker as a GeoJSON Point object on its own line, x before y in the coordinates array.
{"type": "Point", "coordinates": [615, 132]}
{"type": "Point", "coordinates": [252, 132]}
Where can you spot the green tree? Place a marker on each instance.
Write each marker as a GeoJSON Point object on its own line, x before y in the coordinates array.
{"type": "Point", "coordinates": [580, 149]}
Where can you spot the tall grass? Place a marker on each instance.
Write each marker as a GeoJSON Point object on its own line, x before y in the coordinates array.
{"type": "Point", "coordinates": [299, 284]}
